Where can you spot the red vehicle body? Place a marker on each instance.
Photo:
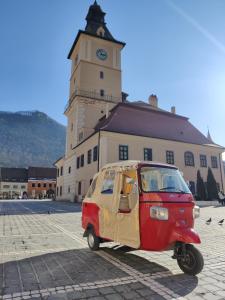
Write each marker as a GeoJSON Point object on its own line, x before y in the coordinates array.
{"type": "Point", "coordinates": [155, 221]}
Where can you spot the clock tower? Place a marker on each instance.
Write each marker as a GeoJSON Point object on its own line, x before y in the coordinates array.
{"type": "Point", "coordinates": [95, 80]}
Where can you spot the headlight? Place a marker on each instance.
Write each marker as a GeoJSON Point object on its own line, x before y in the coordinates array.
{"type": "Point", "coordinates": [159, 213]}
{"type": "Point", "coordinates": [196, 212]}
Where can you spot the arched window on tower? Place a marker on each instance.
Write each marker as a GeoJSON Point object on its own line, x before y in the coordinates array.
{"type": "Point", "coordinates": [189, 159]}
{"type": "Point", "coordinates": [101, 32]}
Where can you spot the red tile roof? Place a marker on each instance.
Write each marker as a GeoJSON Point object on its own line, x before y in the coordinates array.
{"type": "Point", "coordinates": [145, 121]}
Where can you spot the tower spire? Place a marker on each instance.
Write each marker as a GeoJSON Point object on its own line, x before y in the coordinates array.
{"type": "Point", "coordinates": [96, 21]}
{"type": "Point", "coordinates": [209, 136]}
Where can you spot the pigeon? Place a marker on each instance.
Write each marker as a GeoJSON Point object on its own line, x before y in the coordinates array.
{"type": "Point", "coordinates": [221, 222]}
{"type": "Point", "coordinates": [209, 221]}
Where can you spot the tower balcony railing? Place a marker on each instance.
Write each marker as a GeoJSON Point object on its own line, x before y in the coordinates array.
{"type": "Point", "coordinates": [91, 95]}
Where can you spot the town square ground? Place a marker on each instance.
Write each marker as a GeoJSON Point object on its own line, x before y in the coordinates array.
{"type": "Point", "coordinates": [44, 256]}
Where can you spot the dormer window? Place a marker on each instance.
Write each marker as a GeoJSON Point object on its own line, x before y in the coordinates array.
{"type": "Point", "coordinates": [101, 32]}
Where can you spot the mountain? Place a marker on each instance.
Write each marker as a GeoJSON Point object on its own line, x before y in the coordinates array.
{"type": "Point", "coordinates": [30, 138]}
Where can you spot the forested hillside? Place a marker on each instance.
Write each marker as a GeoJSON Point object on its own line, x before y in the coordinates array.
{"type": "Point", "coordinates": [30, 139]}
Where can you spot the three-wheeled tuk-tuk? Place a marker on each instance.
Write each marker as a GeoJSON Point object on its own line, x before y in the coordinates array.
{"type": "Point", "coordinates": [143, 205]}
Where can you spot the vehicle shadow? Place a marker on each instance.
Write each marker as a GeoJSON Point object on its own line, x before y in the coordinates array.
{"type": "Point", "coordinates": [82, 266]}
{"type": "Point", "coordinates": [182, 284]}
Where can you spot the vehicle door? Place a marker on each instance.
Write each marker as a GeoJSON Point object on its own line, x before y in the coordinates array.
{"type": "Point", "coordinates": [107, 195]}
{"type": "Point", "coordinates": [127, 221]}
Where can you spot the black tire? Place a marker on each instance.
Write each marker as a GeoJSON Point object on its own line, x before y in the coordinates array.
{"type": "Point", "coordinates": [93, 240]}
{"type": "Point", "coordinates": [193, 263]}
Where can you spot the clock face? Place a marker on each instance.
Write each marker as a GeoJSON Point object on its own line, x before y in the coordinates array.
{"type": "Point", "coordinates": [101, 54]}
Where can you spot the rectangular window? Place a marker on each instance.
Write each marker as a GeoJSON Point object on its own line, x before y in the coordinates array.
{"type": "Point", "coordinates": [78, 162]}
{"type": "Point", "coordinates": [108, 182]}
{"type": "Point", "coordinates": [101, 75]}
{"type": "Point", "coordinates": [61, 171]}
{"type": "Point", "coordinates": [189, 159]}
{"type": "Point", "coordinates": [68, 189]}
{"type": "Point", "coordinates": [39, 185]}
{"type": "Point", "coordinates": [203, 161]}
{"type": "Point", "coordinates": [170, 157]}
{"type": "Point", "coordinates": [33, 184]}
{"type": "Point", "coordinates": [92, 187]}
{"type": "Point", "coordinates": [95, 153]}
{"type": "Point", "coordinates": [79, 187]}
{"type": "Point", "coordinates": [89, 154]}
{"type": "Point", "coordinates": [69, 170]}
{"type": "Point", "coordinates": [6, 186]}
{"type": "Point", "coordinates": [82, 160]}
{"type": "Point", "coordinates": [102, 93]}
{"type": "Point", "coordinates": [50, 185]}
{"type": "Point", "coordinates": [147, 154]}
{"type": "Point", "coordinates": [214, 162]}
{"type": "Point", "coordinates": [44, 185]}
{"type": "Point", "coordinates": [123, 152]}
{"type": "Point", "coordinates": [60, 191]}
{"type": "Point", "coordinates": [23, 186]}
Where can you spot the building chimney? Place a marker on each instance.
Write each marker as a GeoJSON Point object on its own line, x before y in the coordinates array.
{"type": "Point", "coordinates": [173, 110]}
{"type": "Point", "coordinates": [153, 101]}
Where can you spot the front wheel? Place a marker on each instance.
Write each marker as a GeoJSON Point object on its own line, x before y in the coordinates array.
{"type": "Point", "coordinates": [93, 240]}
{"type": "Point", "coordinates": [192, 262]}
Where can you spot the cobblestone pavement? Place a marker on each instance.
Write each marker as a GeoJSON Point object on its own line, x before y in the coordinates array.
{"type": "Point", "coordinates": [44, 256]}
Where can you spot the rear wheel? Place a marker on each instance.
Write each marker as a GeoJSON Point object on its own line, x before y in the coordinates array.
{"type": "Point", "coordinates": [192, 262]}
{"type": "Point", "coordinates": [93, 240]}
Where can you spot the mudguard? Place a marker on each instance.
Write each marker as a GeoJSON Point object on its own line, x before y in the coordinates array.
{"type": "Point", "coordinates": [185, 235]}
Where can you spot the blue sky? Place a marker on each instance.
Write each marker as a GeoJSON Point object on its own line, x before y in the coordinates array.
{"type": "Point", "coordinates": [175, 49]}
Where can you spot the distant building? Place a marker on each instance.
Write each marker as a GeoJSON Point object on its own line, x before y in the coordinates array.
{"type": "Point", "coordinates": [41, 182]}
{"type": "Point", "coordinates": [104, 127]}
{"type": "Point", "coordinates": [13, 183]}
{"type": "Point", "coordinates": [33, 182]}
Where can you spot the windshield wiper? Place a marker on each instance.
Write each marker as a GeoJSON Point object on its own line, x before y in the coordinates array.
{"type": "Point", "coordinates": [173, 188]}
{"type": "Point", "coordinates": [168, 188]}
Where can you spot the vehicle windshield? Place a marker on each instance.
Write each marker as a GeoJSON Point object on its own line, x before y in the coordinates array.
{"type": "Point", "coordinates": [162, 179]}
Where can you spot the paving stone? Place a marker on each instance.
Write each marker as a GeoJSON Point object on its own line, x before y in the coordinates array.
{"type": "Point", "coordinates": [43, 250]}
{"type": "Point", "coordinates": [76, 295]}
{"type": "Point", "coordinates": [130, 295]}
{"type": "Point", "coordinates": [114, 297]}
{"type": "Point", "coordinates": [144, 292]}
{"type": "Point", "coordinates": [106, 290]}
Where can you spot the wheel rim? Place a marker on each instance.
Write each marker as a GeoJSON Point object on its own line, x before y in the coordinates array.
{"type": "Point", "coordinates": [189, 261]}
{"type": "Point", "coordinates": [91, 240]}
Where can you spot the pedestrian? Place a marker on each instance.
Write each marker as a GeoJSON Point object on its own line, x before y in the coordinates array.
{"type": "Point", "coordinates": [221, 198]}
